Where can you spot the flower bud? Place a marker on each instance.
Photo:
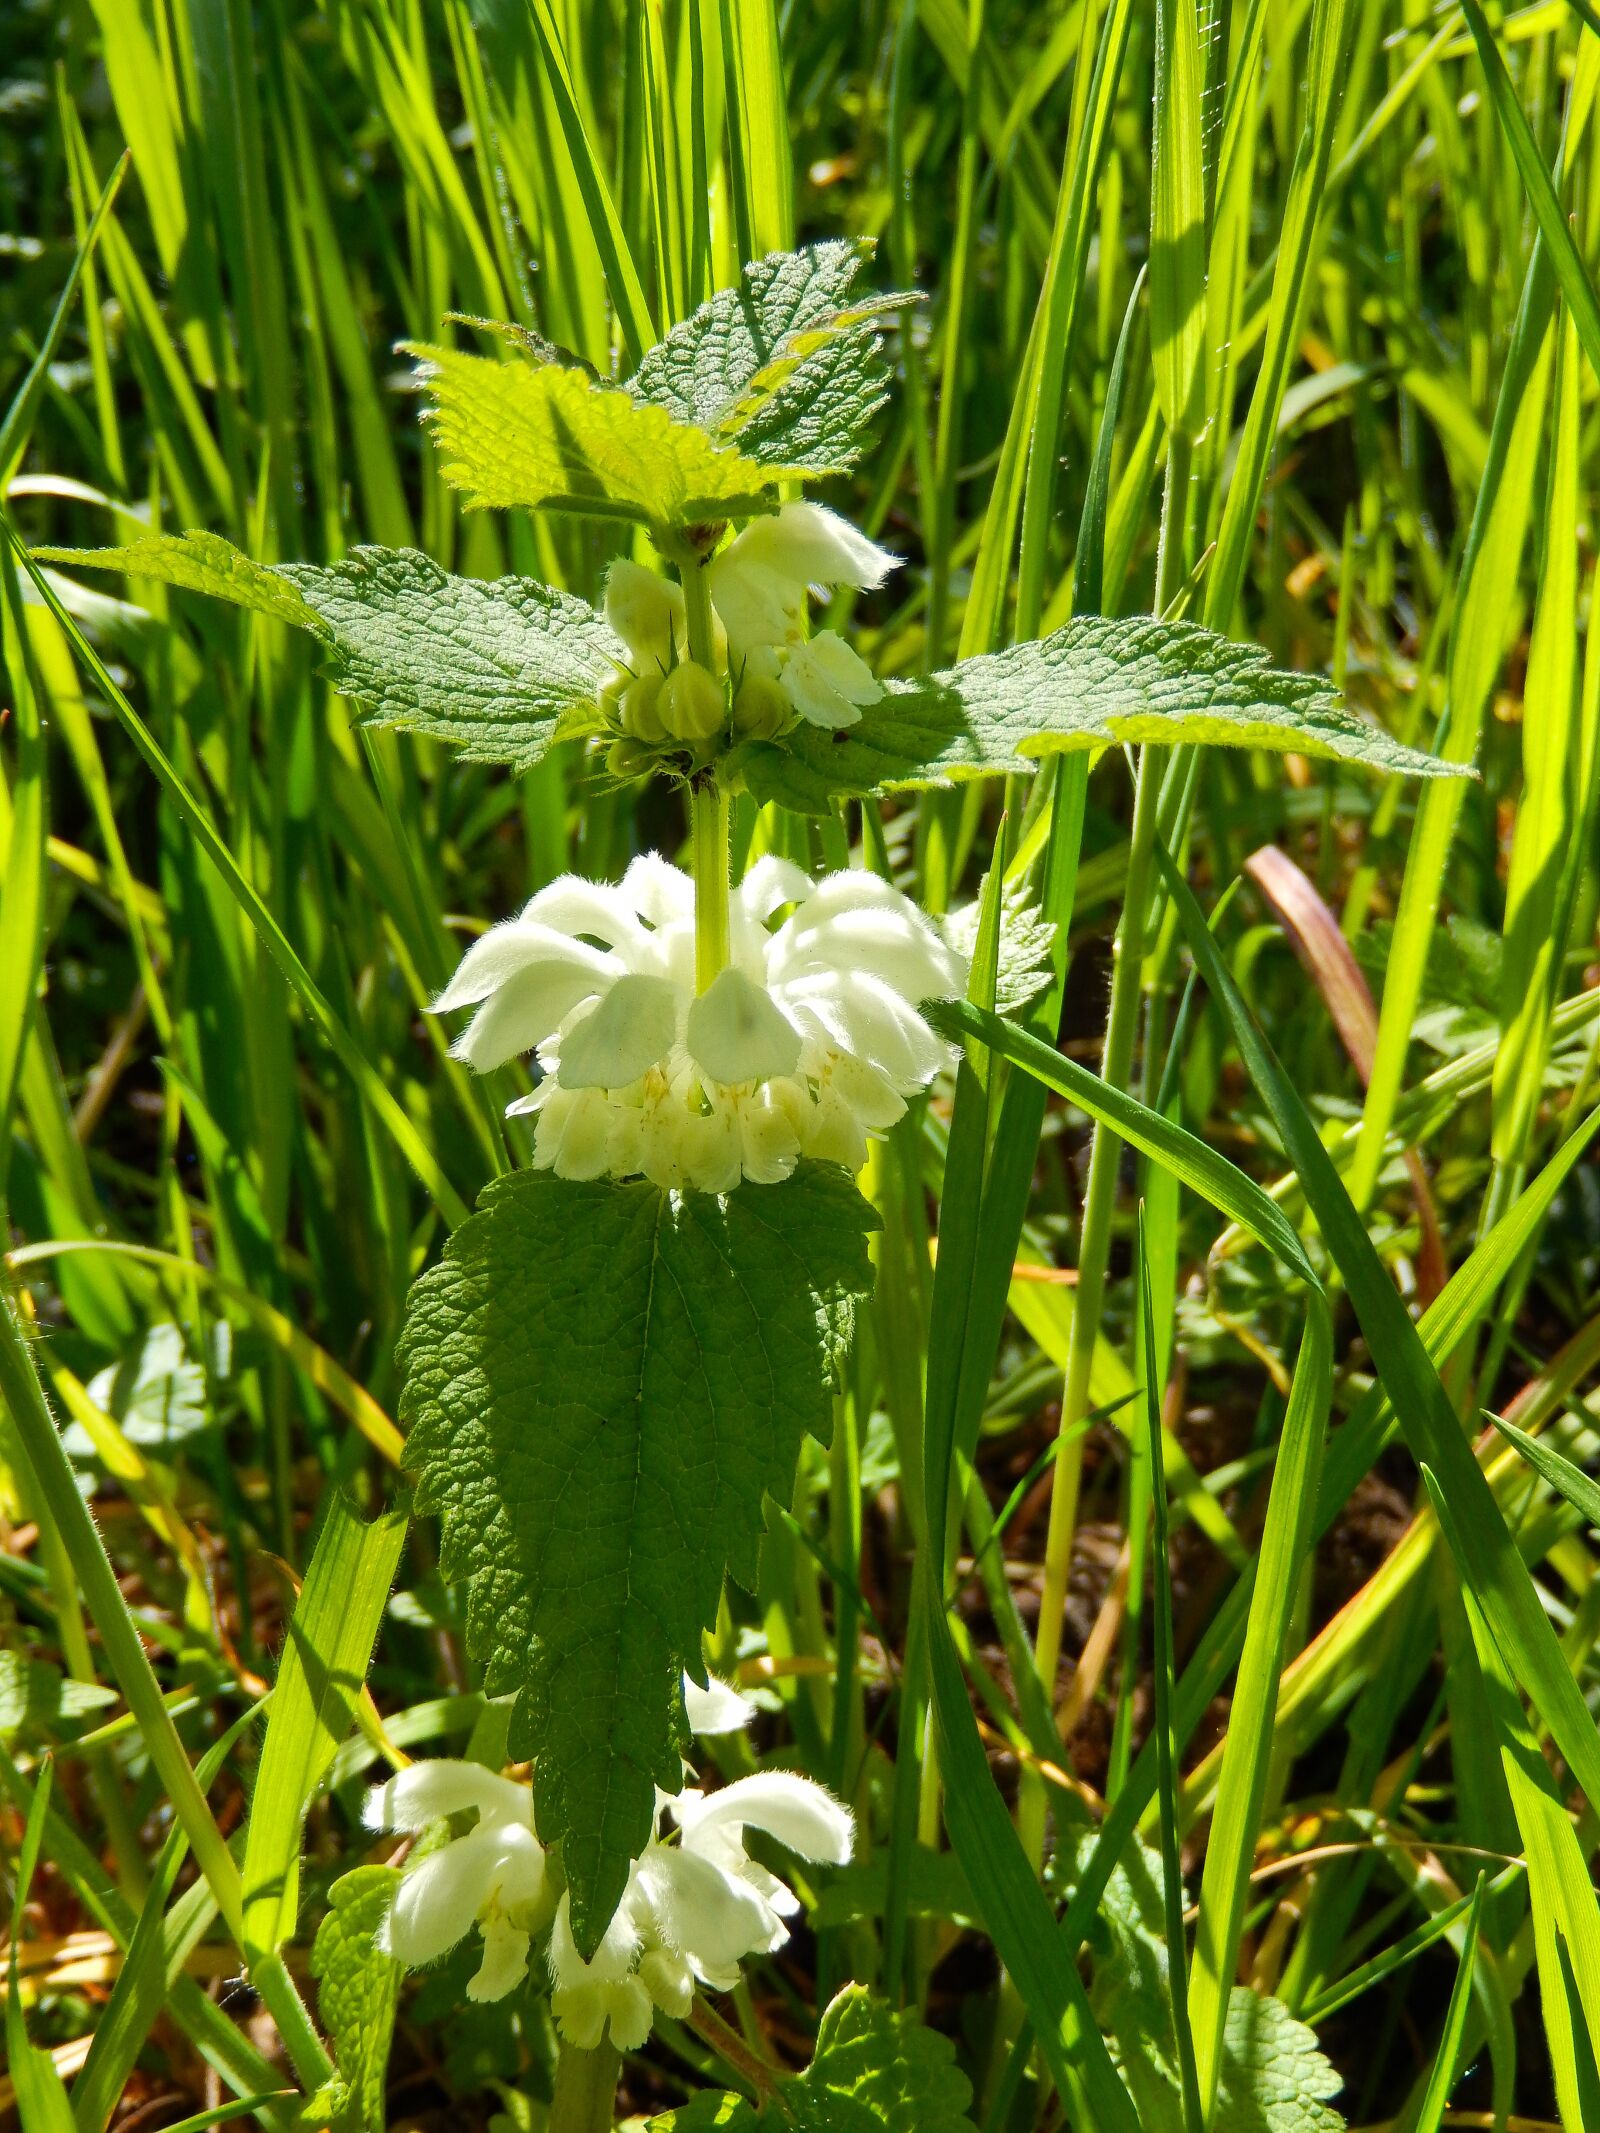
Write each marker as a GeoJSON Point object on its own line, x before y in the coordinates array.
{"type": "Point", "coordinates": [641, 712]}
{"type": "Point", "coordinates": [691, 705]}
{"type": "Point", "coordinates": [761, 710]}
{"type": "Point", "coordinates": [629, 758]}
{"type": "Point", "coordinates": [646, 611]}
{"type": "Point", "coordinates": [608, 697]}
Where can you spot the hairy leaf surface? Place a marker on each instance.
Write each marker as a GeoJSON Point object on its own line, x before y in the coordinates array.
{"type": "Point", "coordinates": [1274, 2077]}
{"type": "Point", "coordinates": [784, 365]}
{"type": "Point", "coordinates": [199, 562]}
{"type": "Point", "coordinates": [500, 668]}
{"type": "Point", "coordinates": [1094, 682]}
{"type": "Point", "coordinates": [603, 1382]}
{"type": "Point", "coordinates": [553, 439]}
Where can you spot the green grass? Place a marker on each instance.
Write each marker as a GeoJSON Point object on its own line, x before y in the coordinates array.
{"type": "Point", "coordinates": [1282, 317]}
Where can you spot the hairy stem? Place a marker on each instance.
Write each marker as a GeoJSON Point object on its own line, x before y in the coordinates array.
{"type": "Point", "coordinates": [708, 801]}
{"type": "Point", "coordinates": [586, 2090]}
{"type": "Point", "coordinates": [709, 817]}
{"type": "Point", "coordinates": [731, 2048]}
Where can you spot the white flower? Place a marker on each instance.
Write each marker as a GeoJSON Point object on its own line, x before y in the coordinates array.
{"type": "Point", "coordinates": [828, 683]}
{"type": "Point", "coordinates": [494, 1878]}
{"type": "Point", "coordinates": [807, 1043]}
{"type": "Point", "coordinates": [758, 583]}
{"type": "Point", "coordinates": [696, 1904]}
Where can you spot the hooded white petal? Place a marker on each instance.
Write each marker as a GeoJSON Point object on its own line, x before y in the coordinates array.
{"type": "Point", "coordinates": [438, 1900]}
{"type": "Point", "coordinates": [609, 913]}
{"type": "Point", "coordinates": [439, 1785]}
{"type": "Point", "coordinates": [737, 1032]}
{"type": "Point", "coordinates": [815, 545]}
{"type": "Point", "coordinates": [757, 605]}
{"type": "Point", "coordinates": [634, 1026]}
{"type": "Point", "coordinates": [705, 1913]}
{"type": "Point", "coordinates": [646, 611]}
{"type": "Point", "coordinates": [805, 1045]}
{"type": "Point", "coordinates": [716, 1708]}
{"type": "Point", "coordinates": [801, 1815]}
{"type": "Point", "coordinates": [827, 682]}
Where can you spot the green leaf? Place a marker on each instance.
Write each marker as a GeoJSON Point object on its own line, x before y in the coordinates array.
{"type": "Point", "coordinates": [1026, 940]}
{"type": "Point", "coordinates": [783, 365]}
{"type": "Point", "coordinates": [359, 1987]}
{"type": "Point", "coordinates": [38, 1700]}
{"type": "Point", "coordinates": [1581, 1490]}
{"type": "Point", "coordinates": [873, 2071]}
{"type": "Point", "coordinates": [199, 562]}
{"type": "Point", "coordinates": [603, 1382]}
{"type": "Point", "coordinates": [1273, 2076]}
{"type": "Point", "coordinates": [320, 1674]}
{"type": "Point", "coordinates": [551, 439]}
{"type": "Point", "coordinates": [894, 2073]}
{"type": "Point", "coordinates": [501, 669]}
{"type": "Point", "coordinates": [1094, 682]}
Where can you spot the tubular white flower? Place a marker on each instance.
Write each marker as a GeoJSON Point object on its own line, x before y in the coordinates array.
{"type": "Point", "coordinates": [827, 683]}
{"type": "Point", "coordinates": [695, 1908]}
{"type": "Point", "coordinates": [758, 583]}
{"type": "Point", "coordinates": [495, 1877]}
{"type": "Point", "coordinates": [807, 1044]}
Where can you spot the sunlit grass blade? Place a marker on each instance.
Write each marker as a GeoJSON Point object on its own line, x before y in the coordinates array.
{"type": "Point", "coordinates": [1583, 305]}
{"type": "Point", "coordinates": [622, 275]}
{"type": "Point", "coordinates": [1241, 1789]}
{"type": "Point", "coordinates": [1565, 1914]}
{"type": "Point", "coordinates": [1163, 1687]}
{"type": "Point", "coordinates": [324, 1664]}
{"type": "Point", "coordinates": [40, 2091]}
{"type": "Point", "coordinates": [1442, 2080]}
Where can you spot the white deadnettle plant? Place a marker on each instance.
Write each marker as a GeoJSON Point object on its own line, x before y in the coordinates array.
{"type": "Point", "coordinates": [695, 1906]}
{"type": "Point", "coordinates": [806, 1042]}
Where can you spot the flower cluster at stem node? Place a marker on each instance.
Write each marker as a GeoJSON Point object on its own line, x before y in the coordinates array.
{"type": "Point", "coordinates": [765, 673]}
{"type": "Point", "coordinates": [805, 1045]}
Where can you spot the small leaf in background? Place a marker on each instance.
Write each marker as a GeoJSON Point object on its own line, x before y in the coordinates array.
{"type": "Point", "coordinates": [157, 1395]}
{"type": "Point", "coordinates": [359, 1988]}
{"type": "Point", "coordinates": [1273, 2076]}
{"type": "Point", "coordinates": [784, 365]}
{"type": "Point", "coordinates": [603, 1382]}
{"type": "Point", "coordinates": [549, 439]}
{"type": "Point", "coordinates": [1093, 683]}
{"type": "Point", "coordinates": [873, 2071]}
{"type": "Point", "coordinates": [1026, 940]}
{"type": "Point", "coordinates": [39, 1702]}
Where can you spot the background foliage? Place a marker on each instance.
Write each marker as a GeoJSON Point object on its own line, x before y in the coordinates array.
{"type": "Point", "coordinates": [1340, 403]}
